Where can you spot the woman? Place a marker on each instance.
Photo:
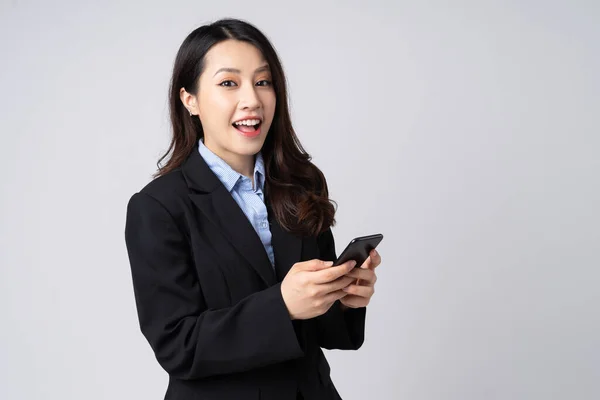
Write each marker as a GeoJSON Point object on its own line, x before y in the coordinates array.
{"type": "Point", "coordinates": [230, 246]}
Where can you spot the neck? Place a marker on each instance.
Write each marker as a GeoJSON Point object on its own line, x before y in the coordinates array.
{"type": "Point", "coordinates": [242, 164]}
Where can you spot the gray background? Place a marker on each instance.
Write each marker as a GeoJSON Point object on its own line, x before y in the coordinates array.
{"type": "Point", "coordinates": [466, 132]}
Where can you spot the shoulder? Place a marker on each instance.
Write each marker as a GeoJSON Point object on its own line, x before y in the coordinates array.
{"type": "Point", "coordinates": [166, 186]}
{"type": "Point", "coordinates": [166, 191]}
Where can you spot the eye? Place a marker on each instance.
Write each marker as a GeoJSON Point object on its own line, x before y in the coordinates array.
{"type": "Point", "coordinates": [230, 81]}
{"type": "Point", "coordinates": [265, 82]}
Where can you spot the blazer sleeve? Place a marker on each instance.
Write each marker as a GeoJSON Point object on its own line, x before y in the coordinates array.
{"type": "Point", "coordinates": [189, 340]}
{"type": "Point", "coordinates": [337, 328]}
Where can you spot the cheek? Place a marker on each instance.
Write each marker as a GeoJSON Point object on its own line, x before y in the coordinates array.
{"type": "Point", "coordinates": [218, 109]}
{"type": "Point", "coordinates": [269, 101]}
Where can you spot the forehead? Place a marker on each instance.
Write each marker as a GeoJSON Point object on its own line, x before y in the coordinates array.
{"type": "Point", "coordinates": [234, 54]}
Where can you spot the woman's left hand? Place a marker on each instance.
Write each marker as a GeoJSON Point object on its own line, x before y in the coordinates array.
{"type": "Point", "coordinates": [361, 291]}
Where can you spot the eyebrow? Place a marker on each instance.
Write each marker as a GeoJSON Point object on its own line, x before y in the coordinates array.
{"type": "Point", "coordinates": [237, 71]}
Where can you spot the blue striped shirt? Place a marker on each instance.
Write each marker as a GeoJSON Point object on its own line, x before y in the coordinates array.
{"type": "Point", "coordinates": [250, 199]}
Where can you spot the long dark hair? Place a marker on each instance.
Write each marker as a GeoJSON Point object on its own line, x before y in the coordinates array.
{"type": "Point", "coordinates": [295, 188]}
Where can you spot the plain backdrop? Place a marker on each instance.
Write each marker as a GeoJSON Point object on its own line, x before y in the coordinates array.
{"type": "Point", "coordinates": [468, 133]}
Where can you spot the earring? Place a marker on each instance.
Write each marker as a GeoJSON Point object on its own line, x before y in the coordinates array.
{"type": "Point", "coordinates": [190, 111]}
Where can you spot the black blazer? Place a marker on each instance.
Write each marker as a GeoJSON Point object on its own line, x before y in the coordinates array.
{"type": "Point", "coordinates": [210, 304]}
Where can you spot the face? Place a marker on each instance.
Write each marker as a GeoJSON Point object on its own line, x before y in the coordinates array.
{"type": "Point", "coordinates": [235, 85]}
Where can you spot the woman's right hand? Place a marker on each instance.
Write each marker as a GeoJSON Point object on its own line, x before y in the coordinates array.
{"type": "Point", "coordinates": [311, 287]}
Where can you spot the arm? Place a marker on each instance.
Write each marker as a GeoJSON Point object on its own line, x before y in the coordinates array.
{"type": "Point", "coordinates": [189, 340]}
{"type": "Point", "coordinates": [339, 328]}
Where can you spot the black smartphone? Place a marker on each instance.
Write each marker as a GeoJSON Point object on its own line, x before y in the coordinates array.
{"type": "Point", "coordinates": [358, 249]}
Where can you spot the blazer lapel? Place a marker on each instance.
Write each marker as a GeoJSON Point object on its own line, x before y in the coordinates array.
{"type": "Point", "coordinates": [286, 246]}
{"type": "Point", "coordinates": [216, 203]}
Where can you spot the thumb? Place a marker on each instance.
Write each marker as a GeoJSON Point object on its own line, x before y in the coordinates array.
{"type": "Point", "coordinates": [316, 265]}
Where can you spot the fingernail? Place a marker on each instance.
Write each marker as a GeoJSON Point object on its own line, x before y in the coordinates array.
{"type": "Point", "coordinates": [346, 288]}
{"type": "Point", "coordinates": [328, 263]}
{"type": "Point", "coordinates": [374, 252]}
{"type": "Point", "coordinates": [353, 264]}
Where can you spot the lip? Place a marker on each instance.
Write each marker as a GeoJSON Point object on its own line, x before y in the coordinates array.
{"type": "Point", "coordinates": [254, 134]}
{"type": "Point", "coordinates": [248, 117]}
{"type": "Point", "coordinates": [249, 134]}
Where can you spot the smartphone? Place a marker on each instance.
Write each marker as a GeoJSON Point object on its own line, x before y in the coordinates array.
{"type": "Point", "coordinates": [358, 249]}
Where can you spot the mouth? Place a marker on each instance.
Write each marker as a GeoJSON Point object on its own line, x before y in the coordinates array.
{"type": "Point", "coordinates": [248, 129]}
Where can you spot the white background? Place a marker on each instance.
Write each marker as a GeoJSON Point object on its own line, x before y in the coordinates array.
{"type": "Point", "coordinates": [468, 133]}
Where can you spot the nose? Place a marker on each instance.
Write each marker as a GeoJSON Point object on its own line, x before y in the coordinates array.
{"type": "Point", "coordinates": [249, 98]}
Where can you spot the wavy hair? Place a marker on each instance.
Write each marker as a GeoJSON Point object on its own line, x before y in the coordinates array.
{"type": "Point", "coordinates": [295, 188]}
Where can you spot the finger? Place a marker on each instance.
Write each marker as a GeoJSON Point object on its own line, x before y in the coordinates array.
{"type": "Point", "coordinates": [334, 285]}
{"type": "Point", "coordinates": [366, 264]}
{"type": "Point", "coordinates": [330, 298]}
{"type": "Point", "coordinates": [374, 259]}
{"type": "Point", "coordinates": [314, 265]}
{"type": "Point", "coordinates": [332, 273]}
{"type": "Point", "coordinates": [367, 275]}
{"type": "Point", "coordinates": [353, 301]}
{"type": "Point", "coordinates": [360, 291]}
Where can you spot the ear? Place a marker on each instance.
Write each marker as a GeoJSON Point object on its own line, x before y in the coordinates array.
{"type": "Point", "coordinates": [189, 101]}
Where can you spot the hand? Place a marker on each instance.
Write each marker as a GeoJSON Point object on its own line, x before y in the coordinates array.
{"type": "Point", "coordinates": [361, 291]}
{"type": "Point", "coordinates": [311, 287]}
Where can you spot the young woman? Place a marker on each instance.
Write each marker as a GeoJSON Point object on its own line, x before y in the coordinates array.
{"type": "Point", "coordinates": [230, 245]}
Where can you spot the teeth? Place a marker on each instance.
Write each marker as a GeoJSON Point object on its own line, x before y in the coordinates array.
{"type": "Point", "coordinates": [248, 122]}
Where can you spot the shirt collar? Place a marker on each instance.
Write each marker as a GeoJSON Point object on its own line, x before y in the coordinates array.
{"type": "Point", "coordinates": [228, 175]}
{"type": "Point", "coordinates": [259, 171]}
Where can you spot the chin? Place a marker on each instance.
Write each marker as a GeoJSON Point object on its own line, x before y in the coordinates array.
{"type": "Point", "coordinates": [250, 147]}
